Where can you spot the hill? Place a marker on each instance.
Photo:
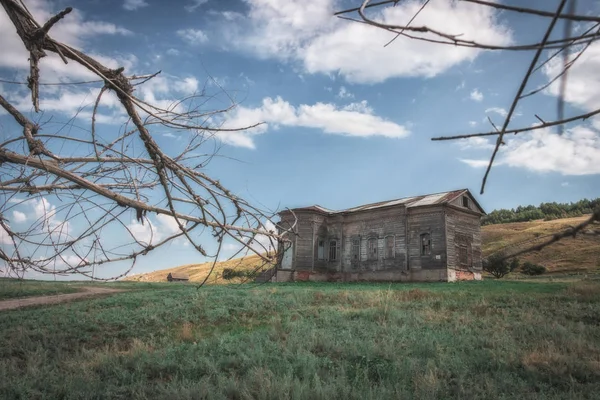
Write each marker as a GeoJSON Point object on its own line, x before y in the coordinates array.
{"type": "Point", "coordinates": [198, 272]}
{"type": "Point", "coordinates": [579, 254]}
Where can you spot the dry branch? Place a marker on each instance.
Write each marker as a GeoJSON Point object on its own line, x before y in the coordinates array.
{"type": "Point", "coordinates": [94, 181]}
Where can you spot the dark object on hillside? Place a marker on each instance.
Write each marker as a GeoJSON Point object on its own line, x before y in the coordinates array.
{"type": "Point", "coordinates": [230, 273]}
{"type": "Point", "coordinates": [499, 266]}
{"type": "Point", "coordinates": [533, 269]}
{"type": "Point", "coordinates": [178, 277]}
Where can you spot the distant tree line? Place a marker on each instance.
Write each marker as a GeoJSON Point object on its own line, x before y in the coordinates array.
{"type": "Point", "coordinates": [545, 211]}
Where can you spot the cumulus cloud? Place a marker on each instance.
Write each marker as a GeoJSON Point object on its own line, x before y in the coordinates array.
{"type": "Point", "coordinates": [193, 36]}
{"type": "Point", "coordinates": [500, 111]}
{"type": "Point", "coordinates": [576, 152]}
{"type": "Point", "coordinates": [355, 119]}
{"type": "Point", "coordinates": [152, 232]}
{"type": "Point", "coordinates": [306, 32]}
{"type": "Point", "coordinates": [476, 95]}
{"type": "Point", "coordinates": [132, 5]}
{"type": "Point", "coordinates": [583, 85]}
{"type": "Point", "coordinates": [18, 216]}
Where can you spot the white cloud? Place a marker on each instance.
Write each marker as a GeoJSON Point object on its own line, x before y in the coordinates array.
{"type": "Point", "coordinates": [461, 86]}
{"type": "Point", "coordinates": [152, 232]}
{"type": "Point", "coordinates": [501, 111]}
{"type": "Point", "coordinates": [476, 95]}
{"type": "Point", "coordinates": [355, 119]}
{"type": "Point", "coordinates": [475, 143]}
{"type": "Point", "coordinates": [583, 85]}
{"type": "Point", "coordinates": [4, 237]}
{"type": "Point", "coordinates": [194, 5]}
{"type": "Point", "coordinates": [575, 152]}
{"type": "Point", "coordinates": [18, 216]}
{"type": "Point", "coordinates": [473, 123]}
{"type": "Point", "coordinates": [132, 5]}
{"type": "Point", "coordinates": [564, 184]}
{"type": "Point", "coordinates": [187, 85]}
{"type": "Point", "coordinates": [192, 36]}
{"type": "Point", "coordinates": [344, 93]}
{"type": "Point", "coordinates": [173, 52]}
{"type": "Point", "coordinates": [306, 32]}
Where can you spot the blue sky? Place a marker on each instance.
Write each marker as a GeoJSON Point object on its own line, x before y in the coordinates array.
{"type": "Point", "coordinates": [346, 121]}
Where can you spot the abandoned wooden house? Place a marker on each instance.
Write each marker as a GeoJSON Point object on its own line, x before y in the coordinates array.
{"type": "Point", "coordinates": [178, 277]}
{"type": "Point", "coordinates": [435, 237]}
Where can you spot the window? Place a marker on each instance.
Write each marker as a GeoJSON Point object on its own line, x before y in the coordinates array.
{"type": "Point", "coordinates": [425, 244]}
{"type": "Point", "coordinates": [321, 250]}
{"type": "Point", "coordinates": [355, 249]}
{"type": "Point", "coordinates": [465, 201]}
{"type": "Point", "coordinates": [390, 251]}
{"type": "Point", "coordinates": [332, 250]}
{"type": "Point", "coordinates": [463, 256]}
{"type": "Point", "coordinates": [372, 249]}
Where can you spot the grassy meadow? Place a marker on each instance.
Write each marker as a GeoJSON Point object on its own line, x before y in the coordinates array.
{"type": "Point", "coordinates": [17, 288]}
{"type": "Point", "coordinates": [472, 340]}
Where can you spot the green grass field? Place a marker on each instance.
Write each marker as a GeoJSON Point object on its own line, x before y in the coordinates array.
{"type": "Point", "coordinates": [471, 340]}
{"type": "Point", "coordinates": [17, 288]}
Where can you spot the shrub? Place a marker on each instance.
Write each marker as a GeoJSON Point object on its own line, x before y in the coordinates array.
{"type": "Point", "coordinates": [499, 266]}
{"type": "Point", "coordinates": [230, 273]}
{"type": "Point", "coordinates": [533, 269]}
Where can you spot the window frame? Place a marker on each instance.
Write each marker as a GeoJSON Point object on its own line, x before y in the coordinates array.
{"type": "Point", "coordinates": [320, 246]}
{"type": "Point", "coordinates": [372, 255]}
{"type": "Point", "coordinates": [355, 250]}
{"type": "Point", "coordinates": [333, 242]}
{"type": "Point", "coordinates": [422, 251]}
{"type": "Point", "coordinates": [466, 202]}
{"type": "Point", "coordinates": [386, 248]}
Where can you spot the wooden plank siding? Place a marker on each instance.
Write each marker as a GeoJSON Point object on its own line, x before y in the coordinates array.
{"type": "Point", "coordinates": [428, 220]}
{"type": "Point", "coordinates": [468, 225]}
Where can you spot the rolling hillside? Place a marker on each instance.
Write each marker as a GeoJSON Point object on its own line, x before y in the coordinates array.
{"type": "Point", "coordinates": [198, 272]}
{"type": "Point", "coordinates": [581, 253]}
{"type": "Point", "coordinates": [578, 254]}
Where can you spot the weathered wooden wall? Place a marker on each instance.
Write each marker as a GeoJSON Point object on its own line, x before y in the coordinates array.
{"type": "Point", "coordinates": [466, 224]}
{"type": "Point", "coordinates": [379, 224]}
{"type": "Point", "coordinates": [426, 220]}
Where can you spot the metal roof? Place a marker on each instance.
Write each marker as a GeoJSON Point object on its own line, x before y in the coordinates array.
{"type": "Point", "coordinates": [408, 202]}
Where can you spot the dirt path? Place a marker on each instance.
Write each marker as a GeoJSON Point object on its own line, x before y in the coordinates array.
{"type": "Point", "coordinates": [54, 299]}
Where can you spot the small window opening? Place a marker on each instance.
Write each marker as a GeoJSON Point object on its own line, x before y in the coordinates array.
{"type": "Point", "coordinates": [355, 249]}
{"type": "Point", "coordinates": [332, 250]}
{"type": "Point", "coordinates": [465, 201]}
{"type": "Point", "coordinates": [425, 244]}
{"type": "Point", "coordinates": [389, 247]}
{"type": "Point", "coordinates": [321, 250]}
{"type": "Point", "coordinates": [372, 248]}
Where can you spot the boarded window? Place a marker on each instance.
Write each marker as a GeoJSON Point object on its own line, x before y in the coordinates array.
{"type": "Point", "coordinates": [465, 201]}
{"type": "Point", "coordinates": [372, 249]}
{"type": "Point", "coordinates": [425, 244]}
{"type": "Point", "coordinates": [463, 256]}
{"type": "Point", "coordinates": [390, 251]}
{"type": "Point", "coordinates": [321, 250]}
{"type": "Point", "coordinates": [355, 249]}
{"type": "Point", "coordinates": [333, 250]}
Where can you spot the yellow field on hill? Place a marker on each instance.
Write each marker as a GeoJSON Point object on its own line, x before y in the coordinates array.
{"type": "Point", "coordinates": [198, 272]}
{"type": "Point", "coordinates": [581, 253]}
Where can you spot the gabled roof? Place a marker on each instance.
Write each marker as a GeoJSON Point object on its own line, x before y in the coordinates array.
{"type": "Point", "coordinates": [408, 202]}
